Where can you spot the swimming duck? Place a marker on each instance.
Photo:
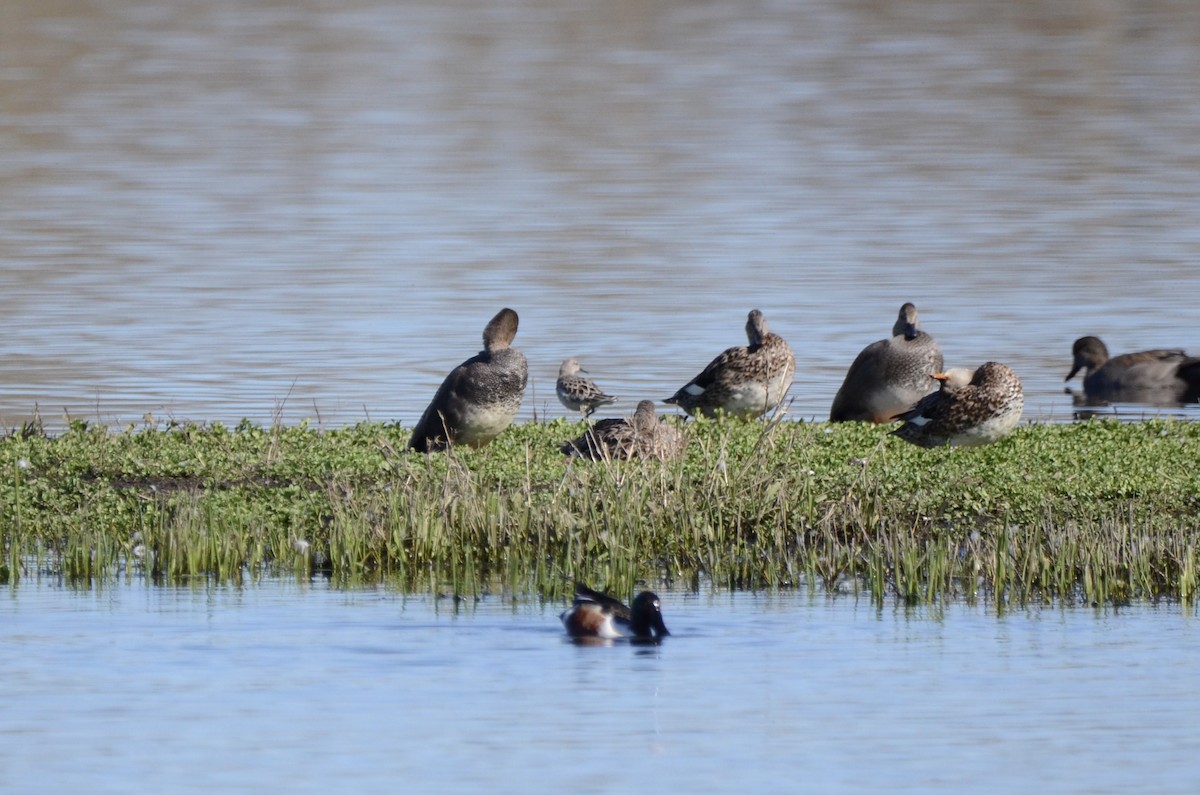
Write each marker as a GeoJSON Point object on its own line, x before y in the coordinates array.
{"type": "Point", "coordinates": [743, 381]}
{"type": "Point", "coordinates": [578, 393]}
{"type": "Point", "coordinates": [596, 615]}
{"type": "Point", "coordinates": [965, 415]}
{"type": "Point", "coordinates": [1153, 376]}
{"type": "Point", "coordinates": [643, 436]}
{"type": "Point", "coordinates": [480, 397]}
{"type": "Point", "coordinates": [890, 375]}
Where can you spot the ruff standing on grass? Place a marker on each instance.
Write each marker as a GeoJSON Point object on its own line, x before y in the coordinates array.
{"type": "Point", "coordinates": [596, 615]}
{"type": "Point", "coordinates": [622, 440]}
{"type": "Point", "coordinates": [744, 381]}
{"type": "Point", "coordinates": [480, 397]}
{"type": "Point", "coordinates": [1155, 376]}
{"type": "Point", "coordinates": [889, 376]}
{"type": "Point", "coordinates": [982, 411]}
{"type": "Point", "coordinates": [578, 393]}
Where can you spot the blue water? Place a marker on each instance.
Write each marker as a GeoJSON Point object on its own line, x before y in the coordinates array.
{"type": "Point", "coordinates": [246, 208]}
{"type": "Point", "coordinates": [249, 208]}
{"type": "Point", "coordinates": [309, 689]}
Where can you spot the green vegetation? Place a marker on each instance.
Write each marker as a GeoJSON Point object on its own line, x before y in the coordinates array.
{"type": "Point", "coordinates": [1099, 511]}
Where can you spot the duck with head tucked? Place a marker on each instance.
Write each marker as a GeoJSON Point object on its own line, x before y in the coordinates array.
{"type": "Point", "coordinates": [480, 397]}
{"type": "Point", "coordinates": [980, 411]}
{"type": "Point", "coordinates": [1160, 377]}
{"type": "Point", "coordinates": [644, 436]}
{"type": "Point", "coordinates": [890, 375]}
{"type": "Point", "coordinates": [742, 381]}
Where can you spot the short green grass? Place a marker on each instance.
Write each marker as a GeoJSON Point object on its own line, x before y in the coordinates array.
{"type": "Point", "coordinates": [1098, 511]}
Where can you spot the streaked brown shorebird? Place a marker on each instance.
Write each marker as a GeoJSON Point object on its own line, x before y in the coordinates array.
{"type": "Point", "coordinates": [966, 415]}
{"type": "Point", "coordinates": [578, 393]}
{"type": "Point", "coordinates": [743, 381]}
{"type": "Point", "coordinates": [890, 375]}
{"type": "Point", "coordinates": [480, 397]}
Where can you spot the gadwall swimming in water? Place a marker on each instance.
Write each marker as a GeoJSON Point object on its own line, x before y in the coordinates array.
{"type": "Point", "coordinates": [743, 381]}
{"type": "Point", "coordinates": [1162, 376]}
{"type": "Point", "coordinates": [965, 415]}
{"type": "Point", "coordinates": [480, 397]}
{"type": "Point", "coordinates": [596, 615]}
{"type": "Point", "coordinates": [578, 393]}
{"type": "Point", "coordinates": [622, 440]}
{"type": "Point", "coordinates": [889, 376]}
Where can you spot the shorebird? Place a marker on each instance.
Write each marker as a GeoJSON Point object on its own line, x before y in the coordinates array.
{"type": "Point", "coordinates": [643, 436]}
{"type": "Point", "coordinates": [578, 393]}
{"type": "Point", "coordinates": [595, 615]}
{"type": "Point", "coordinates": [890, 375]}
{"type": "Point", "coordinates": [1162, 376]}
{"type": "Point", "coordinates": [480, 397]}
{"type": "Point", "coordinates": [743, 381]}
{"type": "Point", "coordinates": [965, 415]}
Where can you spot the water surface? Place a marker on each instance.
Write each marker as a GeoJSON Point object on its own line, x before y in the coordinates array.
{"type": "Point", "coordinates": [311, 689]}
{"type": "Point", "coordinates": [256, 208]}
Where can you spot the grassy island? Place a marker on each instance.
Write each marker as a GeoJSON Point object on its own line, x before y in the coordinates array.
{"type": "Point", "coordinates": [1097, 511]}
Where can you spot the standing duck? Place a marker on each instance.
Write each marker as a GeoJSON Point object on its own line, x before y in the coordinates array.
{"type": "Point", "coordinates": [890, 375]}
{"type": "Point", "coordinates": [743, 381]}
{"type": "Point", "coordinates": [480, 397]}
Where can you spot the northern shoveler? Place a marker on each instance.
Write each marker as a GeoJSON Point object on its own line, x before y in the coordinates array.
{"type": "Point", "coordinates": [1161, 376]}
{"type": "Point", "coordinates": [889, 376]}
{"type": "Point", "coordinates": [643, 436]}
{"type": "Point", "coordinates": [965, 415]}
{"type": "Point", "coordinates": [578, 393]}
{"type": "Point", "coordinates": [743, 381]}
{"type": "Point", "coordinates": [596, 615]}
{"type": "Point", "coordinates": [480, 397]}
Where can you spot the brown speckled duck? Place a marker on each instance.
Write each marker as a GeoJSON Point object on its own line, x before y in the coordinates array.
{"type": "Point", "coordinates": [644, 436]}
{"type": "Point", "coordinates": [966, 415]}
{"type": "Point", "coordinates": [743, 381]}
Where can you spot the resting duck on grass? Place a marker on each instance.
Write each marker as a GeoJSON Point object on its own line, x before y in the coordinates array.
{"type": "Point", "coordinates": [978, 412]}
{"type": "Point", "coordinates": [644, 436]}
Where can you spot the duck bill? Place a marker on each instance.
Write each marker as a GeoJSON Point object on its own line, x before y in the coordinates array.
{"type": "Point", "coordinates": [660, 629]}
{"type": "Point", "coordinates": [1078, 366]}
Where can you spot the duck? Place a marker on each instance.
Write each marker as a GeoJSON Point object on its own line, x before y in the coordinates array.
{"type": "Point", "coordinates": [578, 393]}
{"type": "Point", "coordinates": [966, 413]}
{"type": "Point", "coordinates": [597, 615]}
{"type": "Point", "coordinates": [479, 399]}
{"type": "Point", "coordinates": [742, 381]}
{"type": "Point", "coordinates": [642, 436]}
{"type": "Point", "coordinates": [890, 375]}
{"type": "Point", "coordinates": [1162, 376]}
